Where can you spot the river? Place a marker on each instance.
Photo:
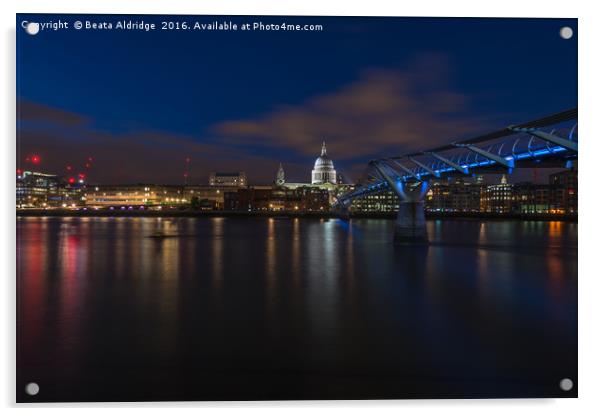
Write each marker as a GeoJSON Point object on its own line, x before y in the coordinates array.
{"type": "Point", "coordinates": [269, 308]}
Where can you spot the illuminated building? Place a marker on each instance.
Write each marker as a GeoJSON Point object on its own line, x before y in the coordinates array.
{"type": "Point", "coordinates": [36, 189]}
{"type": "Point", "coordinates": [324, 182]}
{"type": "Point", "coordinates": [461, 195]}
{"type": "Point", "coordinates": [532, 198]}
{"type": "Point", "coordinates": [313, 199]}
{"type": "Point", "coordinates": [280, 180]}
{"type": "Point", "coordinates": [323, 171]}
{"type": "Point", "coordinates": [557, 197]}
{"type": "Point", "coordinates": [565, 185]}
{"type": "Point", "coordinates": [228, 179]}
{"type": "Point", "coordinates": [382, 202]}
{"type": "Point", "coordinates": [135, 195]}
{"type": "Point", "coordinates": [197, 197]}
{"type": "Point", "coordinates": [497, 199]}
{"type": "Point", "coordinates": [455, 195]}
{"type": "Point", "coordinates": [44, 190]}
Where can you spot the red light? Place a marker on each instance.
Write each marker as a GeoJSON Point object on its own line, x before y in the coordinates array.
{"type": "Point", "coordinates": [81, 176]}
{"type": "Point", "coordinates": [71, 180]}
{"type": "Point", "coordinates": [69, 167]}
{"type": "Point", "coordinates": [19, 171]}
{"type": "Point", "coordinates": [35, 159]}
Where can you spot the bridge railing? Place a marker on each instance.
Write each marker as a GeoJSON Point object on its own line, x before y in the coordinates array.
{"type": "Point", "coordinates": [546, 142]}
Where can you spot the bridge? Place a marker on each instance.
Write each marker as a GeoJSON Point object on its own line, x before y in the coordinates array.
{"type": "Point", "coordinates": [550, 141]}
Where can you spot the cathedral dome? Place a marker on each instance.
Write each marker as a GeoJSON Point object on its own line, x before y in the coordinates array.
{"type": "Point", "coordinates": [323, 171]}
{"type": "Point", "coordinates": [323, 163]}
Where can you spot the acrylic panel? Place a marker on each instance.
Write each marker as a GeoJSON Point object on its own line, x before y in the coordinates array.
{"type": "Point", "coordinates": [291, 208]}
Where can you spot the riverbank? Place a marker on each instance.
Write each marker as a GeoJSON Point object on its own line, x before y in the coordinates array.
{"type": "Point", "coordinates": [166, 213]}
{"type": "Point", "coordinates": [267, 214]}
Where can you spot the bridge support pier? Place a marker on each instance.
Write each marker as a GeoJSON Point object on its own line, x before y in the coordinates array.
{"type": "Point", "coordinates": [344, 213]}
{"type": "Point", "coordinates": [410, 227]}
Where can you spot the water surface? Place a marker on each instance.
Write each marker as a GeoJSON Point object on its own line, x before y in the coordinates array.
{"type": "Point", "coordinates": [258, 308]}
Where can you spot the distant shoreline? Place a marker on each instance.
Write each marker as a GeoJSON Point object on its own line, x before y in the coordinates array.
{"type": "Point", "coordinates": [287, 214]}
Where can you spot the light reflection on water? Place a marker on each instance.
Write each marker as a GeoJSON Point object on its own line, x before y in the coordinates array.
{"type": "Point", "coordinates": [306, 299]}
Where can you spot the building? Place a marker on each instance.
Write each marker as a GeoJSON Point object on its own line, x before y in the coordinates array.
{"type": "Point", "coordinates": [323, 171]}
{"type": "Point", "coordinates": [564, 186]}
{"type": "Point", "coordinates": [252, 198]}
{"type": "Point", "coordinates": [36, 189]}
{"type": "Point", "coordinates": [324, 181]}
{"type": "Point", "coordinates": [206, 197]}
{"type": "Point", "coordinates": [466, 195]}
{"type": "Point", "coordinates": [232, 201]}
{"type": "Point", "coordinates": [196, 197]}
{"type": "Point", "coordinates": [45, 190]}
{"type": "Point", "coordinates": [135, 196]}
{"type": "Point", "coordinates": [278, 198]}
{"type": "Point", "coordinates": [454, 195]}
{"type": "Point", "coordinates": [382, 203]}
{"type": "Point", "coordinates": [314, 199]}
{"type": "Point", "coordinates": [228, 179]}
{"type": "Point", "coordinates": [533, 198]}
{"type": "Point", "coordinates": [280, 179]}
{"type": "Point", "coordinates": [461, 195]}
{"type": "Point", "coordinates": [497, 199]}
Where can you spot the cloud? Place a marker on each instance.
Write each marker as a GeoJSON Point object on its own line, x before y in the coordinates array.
{"type": "Point", "coordinates": [141, 156]}
{"type": "Point", "coordinates": [32, 111]}
{"type": "Point", "coordinates": [383, 111]}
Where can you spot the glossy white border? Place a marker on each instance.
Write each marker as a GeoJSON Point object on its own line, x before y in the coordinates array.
{"type": "Point", "coordinates": [590, 288]}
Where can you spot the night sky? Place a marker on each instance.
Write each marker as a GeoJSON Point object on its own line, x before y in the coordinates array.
{"type": "Point", "coordinates": [140, 103]}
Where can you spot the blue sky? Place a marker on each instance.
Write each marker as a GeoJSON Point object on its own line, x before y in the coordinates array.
{"type": "Point", "coordinates": [141, 102]}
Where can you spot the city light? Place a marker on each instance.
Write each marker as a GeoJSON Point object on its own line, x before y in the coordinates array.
{"type": "Point", "coordinates": [225, 192]}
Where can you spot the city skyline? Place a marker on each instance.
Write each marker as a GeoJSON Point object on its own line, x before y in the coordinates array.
{"type": "Point", "coordinates": [82, 173]}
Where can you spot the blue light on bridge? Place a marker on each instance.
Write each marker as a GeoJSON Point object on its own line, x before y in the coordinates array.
{"type": "Point", "coordinates": [377, 186]}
